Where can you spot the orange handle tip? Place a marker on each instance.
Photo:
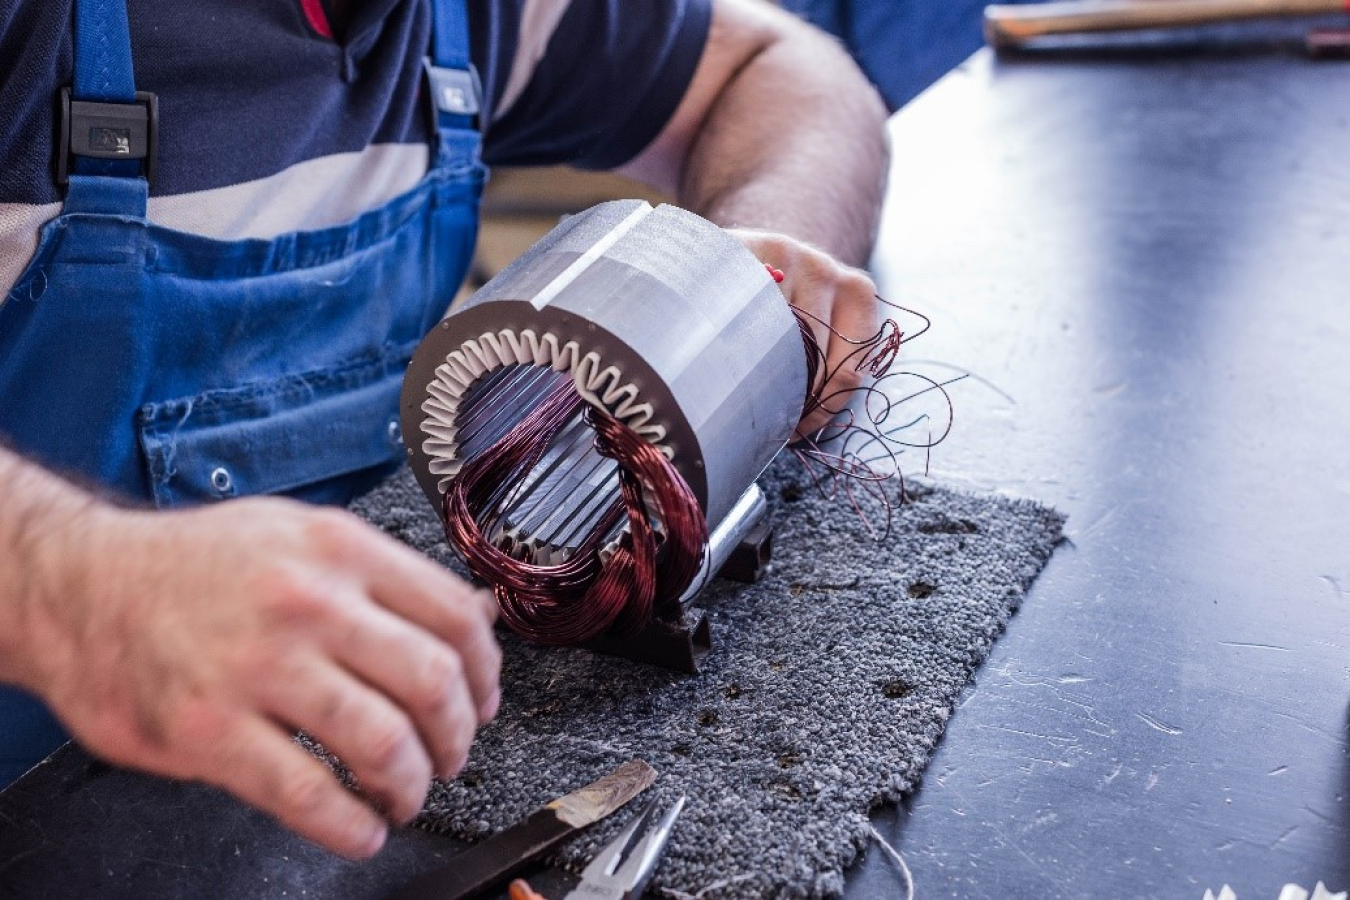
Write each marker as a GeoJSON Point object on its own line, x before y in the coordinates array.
{"type": "Point", "coordinates": [521, 890]}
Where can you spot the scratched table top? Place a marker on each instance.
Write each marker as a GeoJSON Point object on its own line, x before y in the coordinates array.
{"type": "Point", "coordinates": [1143, 264]}
{"type": "Point", "coordinates": [1140, 260]}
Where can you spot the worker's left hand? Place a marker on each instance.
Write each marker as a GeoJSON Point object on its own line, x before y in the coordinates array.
{"type": "Point", "coordinates": [828, 291]}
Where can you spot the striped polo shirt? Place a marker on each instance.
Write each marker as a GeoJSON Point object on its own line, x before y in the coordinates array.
{"type": "Point", "coordinates": [286, 115]}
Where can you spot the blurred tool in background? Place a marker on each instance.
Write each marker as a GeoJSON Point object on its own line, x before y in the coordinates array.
{"type": "Point", "coordinates": [906, 45]}
{"type": "Point", "coordinates": [1329, 43]}
{"type": "Point", "coordinates": [1014, 26]}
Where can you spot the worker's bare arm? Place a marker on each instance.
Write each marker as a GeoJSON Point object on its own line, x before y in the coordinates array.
{"type": "Point", "coordinates": [781, 139]}
{"type": "Point", "coordinates": [192, 644]}
{"type": "Point", "coordinates": [39, 515]}
{"type": "Point", "coordinates": [778, 131]}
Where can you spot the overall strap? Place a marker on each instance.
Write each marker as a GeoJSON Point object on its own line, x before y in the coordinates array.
{"type": "Point", "coordinates": [103, 52]}
{"type": "Point", "coordinates": [108, 128]}
{"type": "Point", "coordinates": [455, 88]}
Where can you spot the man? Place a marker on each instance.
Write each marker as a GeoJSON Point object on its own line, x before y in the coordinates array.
{"type": "Point", "coordinates": [308, 222]}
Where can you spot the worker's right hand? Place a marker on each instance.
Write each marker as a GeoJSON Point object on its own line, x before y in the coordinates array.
{"type": "Point", "coordinates": [192, 644]}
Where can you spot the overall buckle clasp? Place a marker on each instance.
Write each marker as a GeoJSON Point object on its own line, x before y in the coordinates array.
{"type": "Point", "coordinates": [101, 130]}
{"type": "Point", "coordinates": [456, 92]}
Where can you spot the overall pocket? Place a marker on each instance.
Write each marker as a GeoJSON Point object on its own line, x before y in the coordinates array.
{"type": "Point", "coordinates": [322, 436]}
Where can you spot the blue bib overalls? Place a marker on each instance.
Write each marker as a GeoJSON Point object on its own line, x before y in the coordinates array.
{"type": "Point", "coordinates": [180, 369]}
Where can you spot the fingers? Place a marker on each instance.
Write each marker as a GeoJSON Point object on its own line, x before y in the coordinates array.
{"type": "Point", "coordinates": [370, 734]}
{"type": "Point", "coordinates": [853, 318]}
{"type": "Point", "coordinates": [842, 310]}
{"type": "Point", "coordinates": [422, 675]}
{"type": "Point", "coordinates": [422, 592]}
{"type": "Point", "coordinates": [453, 611]}
{"type": "Point", "coordinates": [265, 768]}
{"type": "Point", "coordinates": [839, 305]}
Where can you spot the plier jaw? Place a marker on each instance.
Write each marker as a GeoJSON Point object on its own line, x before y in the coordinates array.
{"type": "Point", "coordinates": [622, 870]}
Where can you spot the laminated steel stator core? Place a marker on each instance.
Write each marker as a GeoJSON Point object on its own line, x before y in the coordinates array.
{"type": "Point", "coordinates": [658, 316]}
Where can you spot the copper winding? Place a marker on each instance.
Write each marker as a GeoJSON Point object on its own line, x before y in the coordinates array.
{"type": "Point", "coordinates": [583, 597]}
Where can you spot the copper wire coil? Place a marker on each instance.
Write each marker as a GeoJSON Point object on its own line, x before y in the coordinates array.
{"type": "Point", "coordinates": [585, 596]}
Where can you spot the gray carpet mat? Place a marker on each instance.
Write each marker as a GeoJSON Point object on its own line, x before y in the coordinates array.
{"type": "Point", "coordinates": [828, 686]}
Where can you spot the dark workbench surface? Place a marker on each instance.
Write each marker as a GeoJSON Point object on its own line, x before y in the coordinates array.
{"type": "Point", "coordinates": [1143, 261]}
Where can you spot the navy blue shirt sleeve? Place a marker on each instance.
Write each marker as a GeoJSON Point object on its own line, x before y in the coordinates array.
{"type": "Point", "coordinates": [612, 75]}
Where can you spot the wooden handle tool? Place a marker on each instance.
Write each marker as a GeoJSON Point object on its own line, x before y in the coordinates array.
{"type": "Point", "coordinates": [1013, 26]}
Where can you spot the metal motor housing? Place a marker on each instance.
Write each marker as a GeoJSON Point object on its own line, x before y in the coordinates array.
{"type": "Point", "coordinates": [659, 316]}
